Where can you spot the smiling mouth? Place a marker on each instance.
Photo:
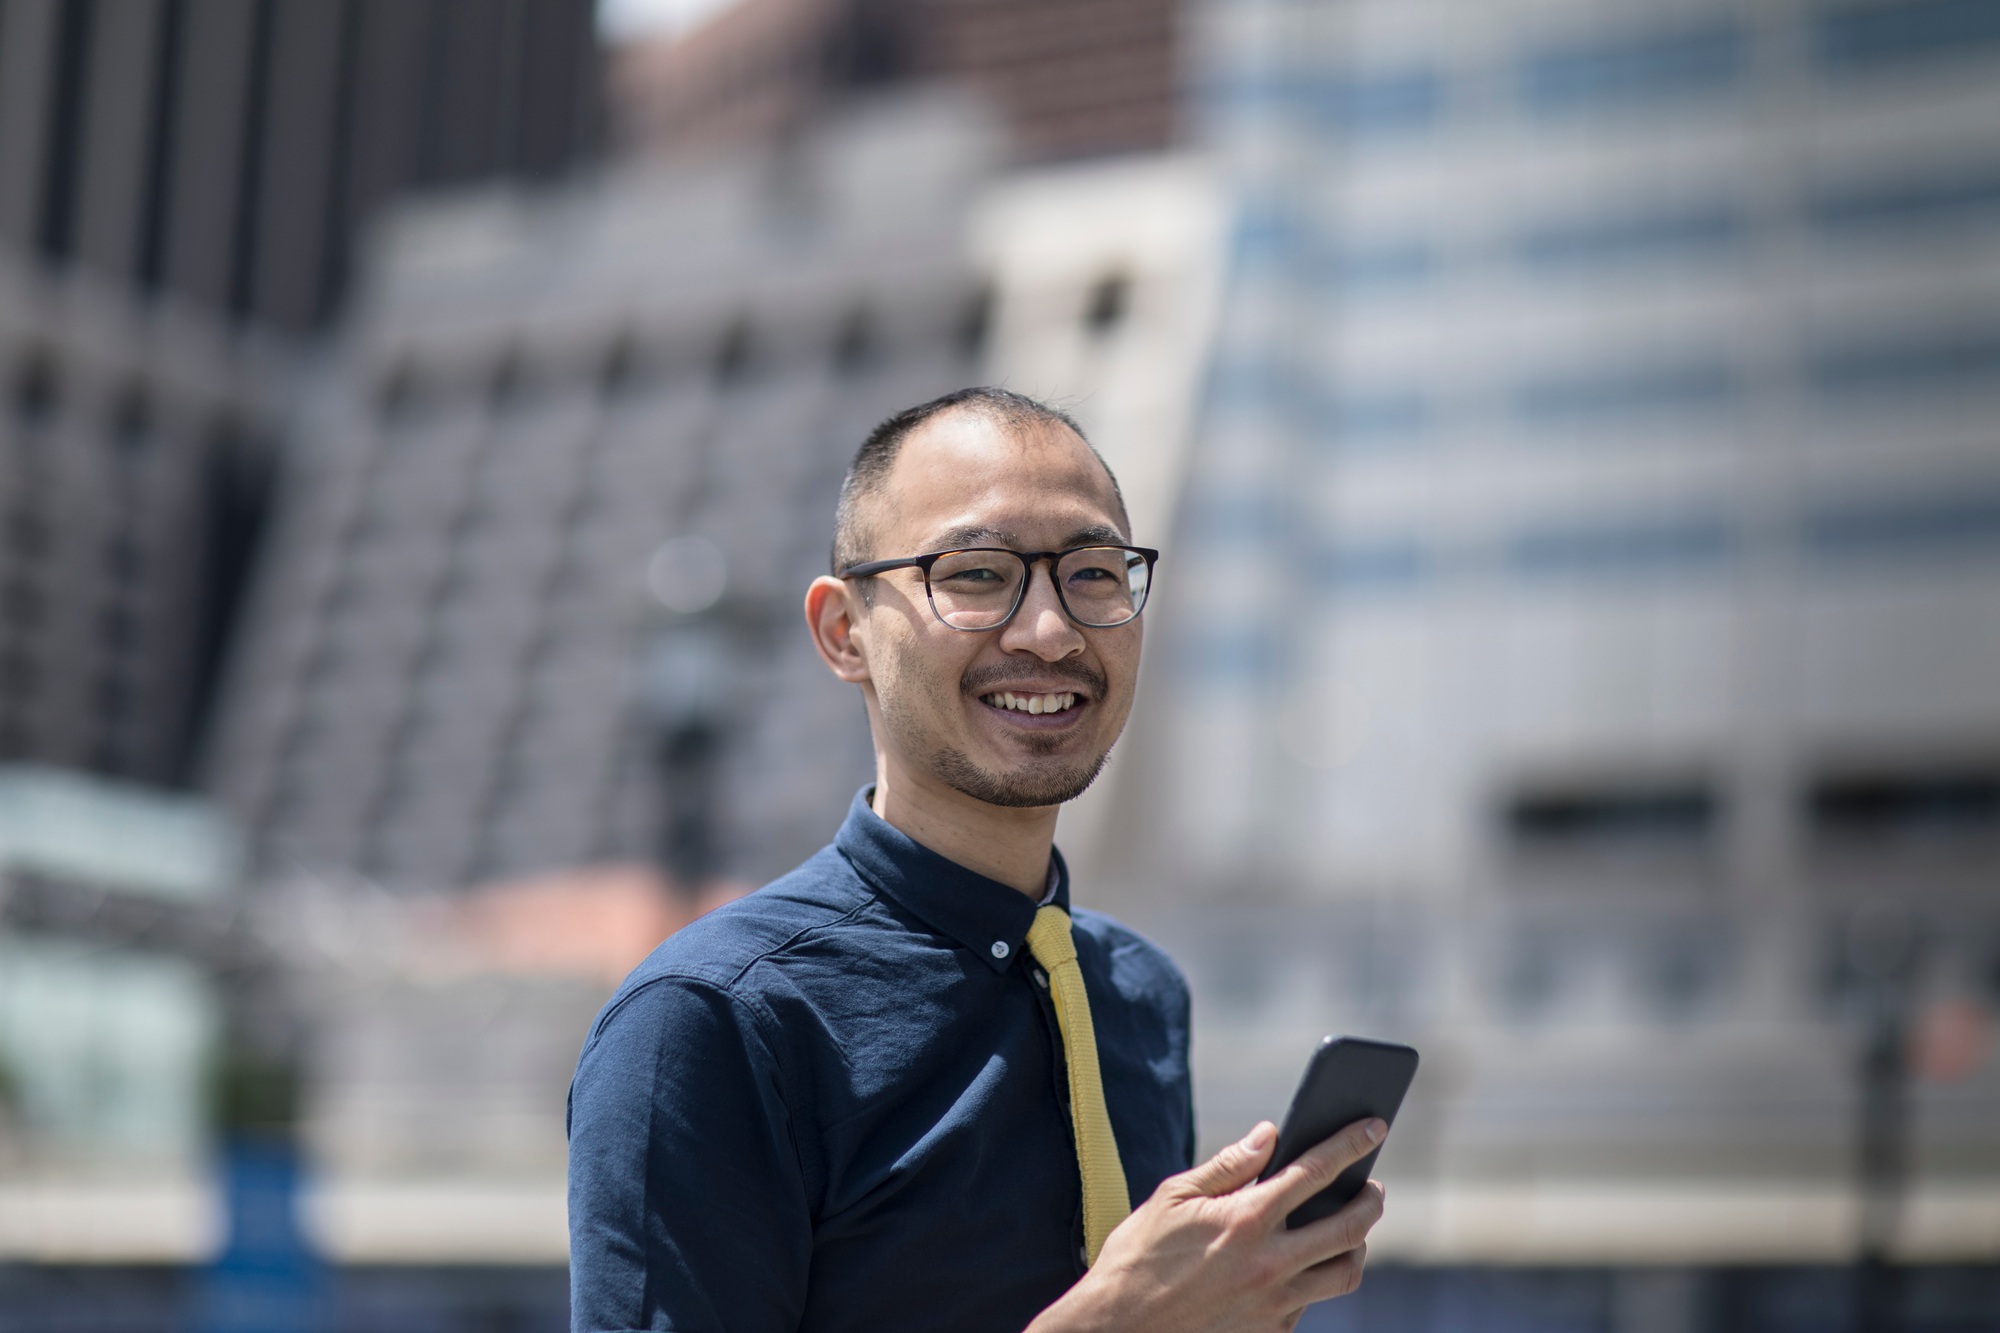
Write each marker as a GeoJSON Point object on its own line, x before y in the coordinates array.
{"type": "Point", "coordinates": [1033, 704]}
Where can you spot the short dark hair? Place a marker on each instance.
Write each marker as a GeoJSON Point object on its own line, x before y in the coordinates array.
{"type": "Point", "coordinates": [877, 454]}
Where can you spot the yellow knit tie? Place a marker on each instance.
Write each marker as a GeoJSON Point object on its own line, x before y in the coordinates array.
{"type": "Point", "coordinates": [1105, 1203]}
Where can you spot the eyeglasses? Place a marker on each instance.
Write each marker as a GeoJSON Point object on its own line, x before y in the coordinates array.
{"type": "Point", "coordinates": [1099, 587]}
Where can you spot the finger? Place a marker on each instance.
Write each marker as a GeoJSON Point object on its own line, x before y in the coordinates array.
{"type": "Point", "coordinates": [1336, 1277]}
{"type": "Point", "coordinates": [1318, 1166]}
{"type": "Point", "coordinates": [1346, 1230]}
{"type": "Point", "coordinates": [1235, 1166]}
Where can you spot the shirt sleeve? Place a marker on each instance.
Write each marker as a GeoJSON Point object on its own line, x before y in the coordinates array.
{"type": "Point", "coordinates": [687, 1206]}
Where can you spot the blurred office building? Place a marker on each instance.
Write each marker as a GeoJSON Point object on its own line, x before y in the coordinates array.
{"type": "Point", "coordinates": [181, 186]}
{"type": "Point", "coordinates": [230, 151]}
{"type": "Point", "coordinates": [1070, 79]}
{"type": "Point", "coordinates": [129, 475]}
{"type": "Point", "coordinates": [1584, 657]}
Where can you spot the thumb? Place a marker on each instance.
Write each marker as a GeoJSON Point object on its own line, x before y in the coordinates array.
{"type": "Point", "coordinates": [1235, 1166]}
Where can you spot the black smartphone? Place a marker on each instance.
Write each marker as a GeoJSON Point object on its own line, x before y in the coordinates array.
{"type": "Point", "coordinates": [1347, 1079]}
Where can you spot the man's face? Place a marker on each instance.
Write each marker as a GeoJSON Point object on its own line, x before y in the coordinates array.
{"type": "Point", "coordinates": [967, 479]}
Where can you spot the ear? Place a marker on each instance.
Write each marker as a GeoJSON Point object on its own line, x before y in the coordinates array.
{"type": "Point", "coordinates": [830, 616]}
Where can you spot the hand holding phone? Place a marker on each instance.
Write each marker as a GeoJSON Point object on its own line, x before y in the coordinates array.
{"type": "Point", "coordinates": [1208, 1254]}
{"type": "Point", "coordinates": [1347, 1079]}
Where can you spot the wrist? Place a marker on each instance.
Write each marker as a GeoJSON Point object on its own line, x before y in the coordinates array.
{"type": "Point", "coordinates": [1091, 1306]}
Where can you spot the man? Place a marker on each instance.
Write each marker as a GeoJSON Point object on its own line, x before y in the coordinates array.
{"type": "Point", "coordinates": [905, 1086]}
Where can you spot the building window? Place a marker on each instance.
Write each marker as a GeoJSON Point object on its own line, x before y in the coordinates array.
{"type": "Point", "coordinates": [1257, 383]}
{"type": "Point", "coordinates": [1530, 979]}
{"type": "Point", "coordinates": [1383, 417]}
{"type": "Point", "coordinates": [1703, 232]}
{"type": "Point", "coordinates": [132, 420]}
{"type": "Point", "coordinates": [974, 325]}
{"type": "Point", "coordinates": [1266, 232]}
{"type": "Point", "coordinates": [1883, 206]}
{"type": "Point", "coordinates": [399, 397]}
{"type": "Point", "coordinates": [1868, 37]}
{"type": "Point", "coordinates": [1950, 362]}
{"type": "Point", "coordinates": [1956, 523]}
{"type": "Point", "coordinates": [1692, 387]}
{"type": "Point", "coordinates": [1242, 656]}
{"type": "Point", "coordinates": [1234, 516]}
{"type": "Point", "coordinates": [1670, 66]}
{"type": "Point", "coordinates": [1611, 820]}
{"type": "Point", "coordinates": [1380, 103]}
{"type": "Point", "coordinates": [1916, 809]}
{"type": "Point", "coordinates": [734, 354]}
{"type": "Point", "coordinates": [1613, 550]}
{"type": "Point", "coordinates": [855, 347]}
{"type": "Point", "coordinates": [36, 387]}
{"type": "Point", "coordinates": [1374, 565]}
{"type": "Point", "coordinates": [514, 383]}
{"type": "Point", "coordinates": [1680, 971]}
{"type": "Point", "coordinates": [1110, 301]}
{"type": "Point", "coordinates": [1373, 269]}
{"type": "Point", "coordinates": [626, 369]}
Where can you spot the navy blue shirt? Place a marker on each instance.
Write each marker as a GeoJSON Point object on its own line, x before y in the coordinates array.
{"type": "Point", "coordinates": [840, 1104]}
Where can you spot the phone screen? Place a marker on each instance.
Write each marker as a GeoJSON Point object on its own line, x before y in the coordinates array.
{"type": "Point", "coordinates": [1347, 1079]}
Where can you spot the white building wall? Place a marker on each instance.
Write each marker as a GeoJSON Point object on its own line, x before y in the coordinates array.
{"type": "Point", "coordinates": [1594, 413]}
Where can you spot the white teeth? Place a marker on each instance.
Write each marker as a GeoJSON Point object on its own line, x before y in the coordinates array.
{"type": "Point", "coordinates": [1031, 703]}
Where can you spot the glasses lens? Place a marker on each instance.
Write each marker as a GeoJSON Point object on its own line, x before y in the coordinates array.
{"type": "Point", "coordinates": [976, 589]}
{"type": "Point", "coordinates": [1103, 585]}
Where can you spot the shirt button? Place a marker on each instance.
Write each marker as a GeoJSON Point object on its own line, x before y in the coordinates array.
{"type": "Point", "coordinates": [1000, 949]}
{"type": "Point", "coordinates": [1041, 978]}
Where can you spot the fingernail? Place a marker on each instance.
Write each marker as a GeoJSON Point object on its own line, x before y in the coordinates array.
{"type": "Point", "coordinates": [1255, 1138]}
{"type": "Point", "coordinates": [1377, 1131]}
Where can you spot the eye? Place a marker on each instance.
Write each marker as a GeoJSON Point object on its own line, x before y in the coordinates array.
{"type": "Point", "coordinates": [971, 576]}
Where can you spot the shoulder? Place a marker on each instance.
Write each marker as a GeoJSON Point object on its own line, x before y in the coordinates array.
{"type": "Point", "coordinates": [717, 955]}
{"type": "Point", "coordinates": [1139, 969]}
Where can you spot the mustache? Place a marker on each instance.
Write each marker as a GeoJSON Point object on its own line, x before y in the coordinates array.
{"type": "Point", "coordinates": [985, 680]}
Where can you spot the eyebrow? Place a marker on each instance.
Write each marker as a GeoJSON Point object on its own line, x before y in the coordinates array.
{"type": "Point", "coordinates": [1095, 534]}
{"type": "Point", "coordinates": [975, 535]}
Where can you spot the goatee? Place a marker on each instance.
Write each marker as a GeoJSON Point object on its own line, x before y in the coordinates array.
{"type": "Point", "coordinates": [1032, 785]}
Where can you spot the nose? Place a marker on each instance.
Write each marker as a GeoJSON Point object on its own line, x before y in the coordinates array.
{"type": "Point", "coordinates": [1039, 625]}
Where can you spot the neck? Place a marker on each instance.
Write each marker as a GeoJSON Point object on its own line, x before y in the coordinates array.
{"type": "Point", "coordinates": [1003, 843]}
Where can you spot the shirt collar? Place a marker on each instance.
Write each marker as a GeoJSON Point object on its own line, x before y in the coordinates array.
{"type": "Point", "coordinates": [980, 913]}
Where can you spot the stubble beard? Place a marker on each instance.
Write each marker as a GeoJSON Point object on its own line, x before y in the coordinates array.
{"type": "Point", "coordinates": [1050, 783]}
